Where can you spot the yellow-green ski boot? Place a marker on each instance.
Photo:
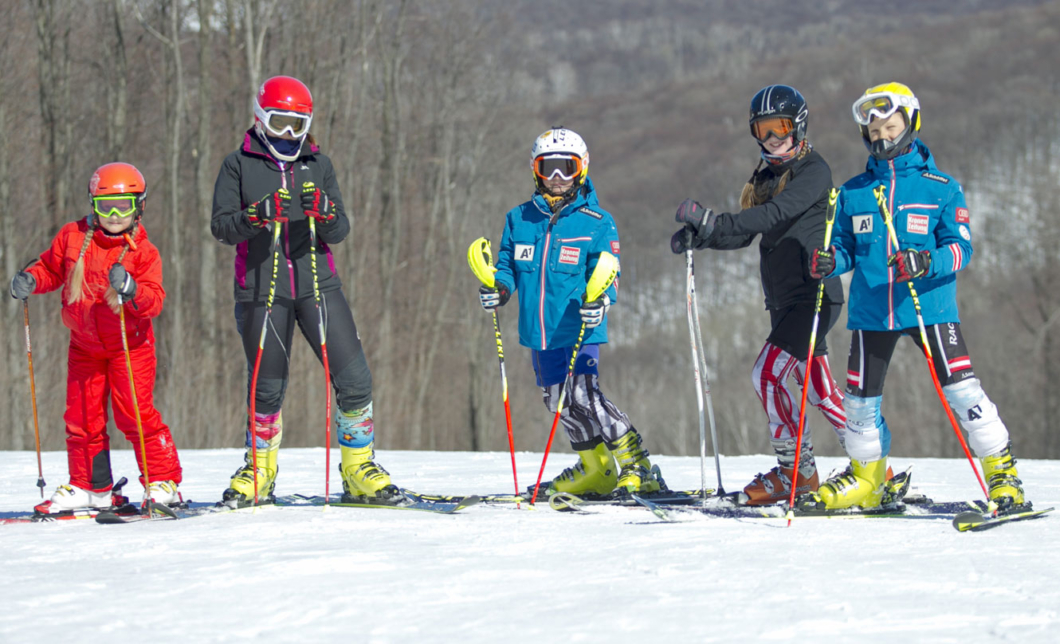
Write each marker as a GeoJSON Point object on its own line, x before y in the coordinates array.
{"type": "Point", "coordinates": [594, 474]}
{"type": "Point", "coordinates": [636, 474]}
{"type": "Point", "coordinates": [363, 481]}
{"type": "Point", "coordinates": [862, 485]}
{"type": "Point", "coordinates": [240, 492]}
{"type": "Point", "coordinates": [1005, 486]}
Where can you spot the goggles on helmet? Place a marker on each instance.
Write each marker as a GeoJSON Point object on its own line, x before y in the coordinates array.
{"type": "Point", "coordinates": [567, 166]}
{"type": "Point", "coordinates": [881, 105]}
{"type": "Point", "coordinates": [108, 206]}
{"type": "Point", "coordinates": [280, 123]}
{"type": "Point", "coordinates": [778, 126]}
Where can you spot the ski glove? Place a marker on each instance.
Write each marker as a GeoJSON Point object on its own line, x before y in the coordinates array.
{"type": "Point", "coordinates": [822, 262]}
{"type": "Point", "coordinates": [122, 282]}
{"type": "Point", "coordinates": [492, 297]}
{"type": "Point", "coordinates": [22, 285]}
{"type": "Point", "coordinates": [698, 226]}
{"type": "Point", "coordinates": [274, 207]}
{"type": "Point", "coordinates": [593, 312]}
{"type": "Point", "coordinates": [315, 204]}
{"type": "Point", "coordinates": [910, 263]}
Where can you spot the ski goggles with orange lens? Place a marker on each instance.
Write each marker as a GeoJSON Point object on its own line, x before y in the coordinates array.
{"type": "Point", "coordinates": [566, 166]}
{"type": "Point", "coordinates": [778, 126]}
{"type": "Point", "coordinates": [881, 105]}
{"type": "Point", "coordinates": [279, 123]}
{"type": "Point", "coordinates": [109, 206]}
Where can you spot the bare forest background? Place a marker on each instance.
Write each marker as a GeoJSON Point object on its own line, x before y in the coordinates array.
{"type": "Point", "coordinates": [428, 109]}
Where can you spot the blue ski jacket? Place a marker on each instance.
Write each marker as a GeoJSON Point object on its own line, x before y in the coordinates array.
{"type": "Point", "coordinates": [547, 259]}
{"type": "Point", "coordinates": [929, 213]}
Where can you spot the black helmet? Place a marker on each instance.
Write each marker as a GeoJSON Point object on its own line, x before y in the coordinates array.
{"type": "Point", "coordinates": [783, 102]}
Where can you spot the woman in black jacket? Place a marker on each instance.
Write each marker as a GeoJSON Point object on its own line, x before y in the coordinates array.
{"type": "Point", "coordinates": [784, 202]}
{"type": "Point", "coordinates": [279, 177]}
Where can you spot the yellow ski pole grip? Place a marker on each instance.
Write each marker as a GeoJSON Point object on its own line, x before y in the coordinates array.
{"type": "Point", "coordinates": [603, 275]}
{"type": "Point", "coordinates": [480, 259]}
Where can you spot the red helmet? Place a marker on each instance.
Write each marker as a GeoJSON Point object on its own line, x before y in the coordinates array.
{"type": "Point", "coordinates": [283, 106]}
{"type": "Point", "coordinates": [117, 179]}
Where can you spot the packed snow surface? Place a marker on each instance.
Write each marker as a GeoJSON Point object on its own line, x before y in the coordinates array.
{"type": "Point", "coordinates": [497, 574]}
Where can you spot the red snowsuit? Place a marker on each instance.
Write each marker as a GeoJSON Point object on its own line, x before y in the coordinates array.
{"type": "Point", "coordinates": [96, 363]}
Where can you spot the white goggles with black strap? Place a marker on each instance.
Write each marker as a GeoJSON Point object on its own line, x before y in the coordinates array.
{"type": "Point", "coordinates": [881, 105]}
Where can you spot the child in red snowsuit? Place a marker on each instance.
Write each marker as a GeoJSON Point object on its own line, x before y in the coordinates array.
{"type": "Point", "coordinates": [97, 261]}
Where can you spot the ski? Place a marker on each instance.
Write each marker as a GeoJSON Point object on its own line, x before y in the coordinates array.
{"type": "Point", "coordinates": [69, 515]}
{"type": "Point", "coordinates": [488, 499]}
{"type": "Point", "coordinates": [436, 507]}
{"type": "Point", "coordinates": [567, 502]}
{"type": "Point", "coordinates": [972, 521]}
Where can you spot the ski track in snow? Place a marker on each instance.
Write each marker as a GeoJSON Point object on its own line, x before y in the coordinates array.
{"type": "Point", "coordinates": [494, 574]}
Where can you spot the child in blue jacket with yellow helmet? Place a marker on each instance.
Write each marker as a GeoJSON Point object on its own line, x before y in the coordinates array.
{"type": "Point", "coordinates": [933, 226]}
{"type": "Point", "coordinates": [548, 250]}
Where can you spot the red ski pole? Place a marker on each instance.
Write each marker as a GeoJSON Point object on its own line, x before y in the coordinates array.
{"type": "Point", "coordinates": [480, 259]}
{"type": "Point", "coordinates": [603, 275]}
{"type": "Point", "coordinates": [881, 201]}
{"type": "Point", "coordinates": [829, 220]}
{"type": "Point", "coordinates": [277, 225]}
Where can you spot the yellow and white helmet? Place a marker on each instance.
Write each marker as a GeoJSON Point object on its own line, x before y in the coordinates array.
{"type": "Point", "coordinates": [881, 102]}
{"type": "Point", "coordinates": [563, 152]}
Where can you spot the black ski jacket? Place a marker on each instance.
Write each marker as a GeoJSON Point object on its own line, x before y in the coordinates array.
{"type": "Point", "coordinates": [791, 225]}
{"type": "Point", "coordinates": [250, 174]}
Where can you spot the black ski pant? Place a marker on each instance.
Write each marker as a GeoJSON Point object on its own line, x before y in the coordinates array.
{"type": "Point", "coordinates": [350, 375]}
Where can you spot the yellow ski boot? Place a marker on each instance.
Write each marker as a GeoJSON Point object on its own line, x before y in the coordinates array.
{"type": "Point", "coordinates": [363, 481]}
{"type": "Point", "coordinates": [240, 492]}
{"type": "Point", "coordinates": [1006, 489]}
{"type": "Point", "coordinates": [593, 474]}
{"type": "Point", "coordinates": [863, 485]}
{"type": "Point", "coordinates": [636, 475]}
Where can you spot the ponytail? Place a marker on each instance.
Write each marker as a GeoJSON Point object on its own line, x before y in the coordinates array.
{"type": "Point", "coordinates": [75, 282]}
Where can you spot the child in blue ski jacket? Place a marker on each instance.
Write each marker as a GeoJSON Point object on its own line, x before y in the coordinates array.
{"type": "Point", "coordinates": [933, 227]}
{"type": "Point", "coordinates": [548, 250]}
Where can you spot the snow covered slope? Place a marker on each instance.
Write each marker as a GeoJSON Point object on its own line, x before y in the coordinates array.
{"type": "Point", "coordinates": [494, 574]}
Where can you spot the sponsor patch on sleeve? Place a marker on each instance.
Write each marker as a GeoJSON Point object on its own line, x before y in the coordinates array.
{"type": "Point", "coordinates": [569, 254]}
{"type": "Point", "coordinates": [963, 216]}
{"type": "Point", "coordinates": [965, 233]}
{"type": "Point", "coordinates": [591, 213]}
{"type": "Point", "coordinates": [614, 248]}
{"type": "Point", "coordinates": [862, 224]}
{"type": "Point", "coordinates": [917, 224]}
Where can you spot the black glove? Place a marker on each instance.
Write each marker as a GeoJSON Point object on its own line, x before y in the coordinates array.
{"type": "Point", "coordinates": [22, 285]}
{"type": "Point", "coordinates": [822, 262]}
{"type": "Point", "coordinates": [315, 204]}
{"type": "Point", "coordinates": [274, 207]}
{"type": "Point", "coordinates": [698, 221]}
{"type": "Point", "coordinates": [593, 312]}
{"type": "Point", "coordinates": [493, 297]}
{"type": "Point", "coordinates": [122, 282]}
{"type": "Point", "coordinates": [910, 263]}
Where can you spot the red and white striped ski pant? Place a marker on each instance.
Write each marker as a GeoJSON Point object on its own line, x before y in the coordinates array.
{"type": "Point", "coordinates": [770, 378]}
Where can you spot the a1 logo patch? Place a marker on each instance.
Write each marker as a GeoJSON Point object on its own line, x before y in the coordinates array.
{"type": "Point", "coordinates": [862, 224]}
{"type": "Point", "coordinates": [524, 253]}
{"type": "Point", "coordinates": [917, 224]}
{"type": "Point", "coordinates": [963, 216]}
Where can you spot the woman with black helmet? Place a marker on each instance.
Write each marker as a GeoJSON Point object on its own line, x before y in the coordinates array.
{"type": "Point", "coordinates": [784, 201]}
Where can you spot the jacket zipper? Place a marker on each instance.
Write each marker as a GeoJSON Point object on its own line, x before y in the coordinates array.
{"type": "Point", "coordinates": [541, 300]}
{"type": "Point", "coordinates": [890, 269]}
